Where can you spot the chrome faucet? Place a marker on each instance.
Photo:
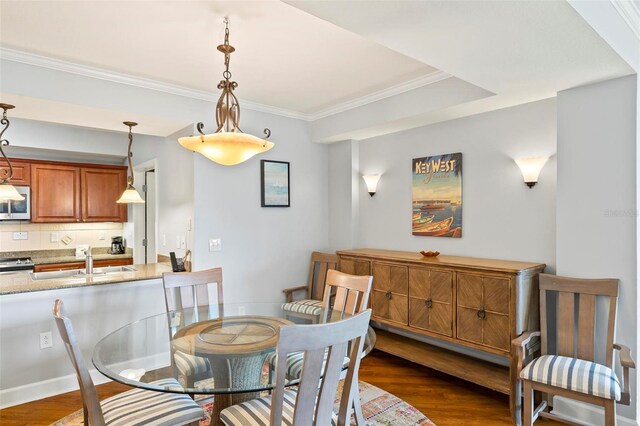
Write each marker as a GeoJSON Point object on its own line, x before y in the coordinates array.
{"type": "Point", "coordinates": [88, 262]}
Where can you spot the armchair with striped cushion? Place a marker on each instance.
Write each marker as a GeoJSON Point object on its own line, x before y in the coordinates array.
{"type": "Point", "coordinates": [569, 365]}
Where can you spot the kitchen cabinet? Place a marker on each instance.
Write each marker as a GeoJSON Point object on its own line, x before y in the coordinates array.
{"type": "Point", "coordinates": [21, 172]}
{"type": "Point", "coordinates": [55, 193]}
{"type": "Point", "coordinates": [98, 263]}
{"type": "Point", "coordinates": [67, 192]}
{"type": "Point", "coordinates": [479, 304]}
{"type": "Point", "coordinates": [100, 189]}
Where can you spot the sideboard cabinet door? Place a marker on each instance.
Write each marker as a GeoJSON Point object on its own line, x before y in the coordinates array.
{"type": "Point", "coordinates": [390, 293]}
{"type": "Point", "coordinates": [483, 310]}
{"type": "Point", "coordinates": [430, 300]}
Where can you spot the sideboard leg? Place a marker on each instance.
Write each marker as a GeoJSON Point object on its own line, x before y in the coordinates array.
{"type": "Point", "coordinates": [515, 397]}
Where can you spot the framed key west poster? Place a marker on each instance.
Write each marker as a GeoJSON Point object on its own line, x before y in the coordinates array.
{"type": "Point", "coordinates": [437, 196]}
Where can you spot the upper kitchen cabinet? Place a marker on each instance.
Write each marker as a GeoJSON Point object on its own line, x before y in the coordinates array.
{"type": "Point", "coordinates": [64, 193]}
{"type": "Point", "coordinates": [21, 172]}
{"type": "Point", "coordinates": [55, 193]}
{"type": "Point", "coordinates": [101, 188]}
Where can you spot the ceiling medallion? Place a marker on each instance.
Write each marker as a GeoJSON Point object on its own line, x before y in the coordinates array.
{"type": "Point", "coordinates": [228, 145]}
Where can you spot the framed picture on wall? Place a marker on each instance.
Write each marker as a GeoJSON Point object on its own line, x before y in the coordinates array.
{"type": "Point", "coordinates": [274, 182]}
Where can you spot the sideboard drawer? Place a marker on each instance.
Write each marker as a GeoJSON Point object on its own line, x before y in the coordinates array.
{"type": "Point", "coordinates": [354, 266]}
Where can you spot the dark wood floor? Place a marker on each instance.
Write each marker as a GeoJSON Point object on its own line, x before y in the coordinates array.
{"type": "Point", "coordinates": [445, 400]}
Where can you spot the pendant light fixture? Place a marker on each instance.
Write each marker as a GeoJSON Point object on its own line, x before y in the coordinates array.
{"type": "Point", "coordinates": [130, 195]}
{"type": "Point", "coordinates": [228, 145]}
{"type": "Point", "coordinates": [7, 191]}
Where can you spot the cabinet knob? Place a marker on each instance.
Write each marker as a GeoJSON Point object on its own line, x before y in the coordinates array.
{"type": "Point", "coordinates": [388, 295]}
{"type": "Point", "coordinates": [482, 313]}
{"type": "Point", "coordinates": [428, 303]}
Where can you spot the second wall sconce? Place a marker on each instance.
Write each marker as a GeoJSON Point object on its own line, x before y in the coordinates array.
{"type": "Point", "coordinates": [372, 183]}
{"type": "Point", "coordinates": [530, 168]}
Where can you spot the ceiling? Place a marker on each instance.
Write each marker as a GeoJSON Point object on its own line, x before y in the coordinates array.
{"type": "Point", "coordinates": [307, 59]}
{"type": "Point", "coordinates": [278, 47]}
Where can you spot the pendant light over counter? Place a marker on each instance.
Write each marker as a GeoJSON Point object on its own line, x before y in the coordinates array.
{"type": "Point", "coordinates": [228, 145]}
{"type": "Point", "coordinates": [130, 195]}
{"type": "Point", "coordinates": [7, 191]}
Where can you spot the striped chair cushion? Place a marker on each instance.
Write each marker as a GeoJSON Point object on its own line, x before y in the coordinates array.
{"type": "Point", "coordinates": [573, 374]}
{"type": "Point", "coordinates": [143, 407]}
{"type": "Point", "coordinates": [190, 365]}
{"type": "Point", "coordinates": [295, 361]}
{"type": "Point", "coordinates": [307, 306]}
{"type": "Point", "coordinates": [257, 411]}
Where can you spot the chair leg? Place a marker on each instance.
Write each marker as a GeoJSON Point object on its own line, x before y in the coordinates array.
{"type": "Point", "coordinates": [610, 413]}
{"type": "Point", "coordinates": [357, 405]}
{"type": "Point", "coordinates": [527, 418]}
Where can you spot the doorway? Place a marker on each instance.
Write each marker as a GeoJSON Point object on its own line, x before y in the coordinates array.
{"type": "Point", "coordinates": [149, 195]}
{"type": "Point", "coordinates": [144, 217]}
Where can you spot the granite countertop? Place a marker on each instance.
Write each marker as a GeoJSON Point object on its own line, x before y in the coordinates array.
{"type": "Point", "coordinates": [21, 282]}
{"type": "Point", "coordinates": [43, 257]}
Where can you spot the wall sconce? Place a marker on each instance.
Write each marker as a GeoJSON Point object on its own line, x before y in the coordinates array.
{"type": "Point", "coordinates": [530, 168]}
{"type": "Point", "coordinates": [372, 183]}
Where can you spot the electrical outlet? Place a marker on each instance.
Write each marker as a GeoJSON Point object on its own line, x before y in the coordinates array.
{"type": "Point", "coordinates": [46, 340]}
{"type": "Point", "coordinates": [183, 243]}
{"type": "Point", "coordinates": [242, 310]}
{"type": "Point", "coordinates": [164, 240]}
{"type": "Point", "coordinates": [20, 235]}
{"type": "Point", "coordinates": [55, 237]}
{"type": "Point", "coordinates": [215, 244]}
{"type": "Point", "coordinates": [178, 241]}
{"type": "Point", "coordinates": [101, 235]}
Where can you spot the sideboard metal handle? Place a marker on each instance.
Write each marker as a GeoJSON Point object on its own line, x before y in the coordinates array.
{"type": "Point", "coordinates": [429, 303]}
{"type": "Point", "coordinates": [482, 313]}
{"type": "Point", "coordinates": [388, 295]}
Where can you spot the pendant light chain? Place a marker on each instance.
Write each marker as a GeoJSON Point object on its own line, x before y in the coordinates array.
{"type": "Point", "coordinates": [130, 176]}
{"type": "Point", "coordinates": [4, 142]}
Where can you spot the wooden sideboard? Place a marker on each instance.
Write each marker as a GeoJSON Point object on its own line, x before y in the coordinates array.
{"type": "Point", "coordinates": [476, 303]}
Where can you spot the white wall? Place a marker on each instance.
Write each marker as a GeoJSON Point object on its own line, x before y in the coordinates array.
{"type": "Point", "coordinates": [263, 249]}
{"type": "Point", "coordinates": [344, 181]}
{"type": "Point", "coordinates": [596, 208]}
{"type": "Point", "coordinates": [502, 218]}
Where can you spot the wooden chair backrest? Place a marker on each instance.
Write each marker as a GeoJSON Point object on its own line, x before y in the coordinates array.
{"type": "Point", "coordinates": [314, 404]}
{"type": "Point", "coordinates": [90, 402]}
{"type": "Point", "coordinates": [183, 290]}
{"type": "Point", "coordinates": [575, 336]}
{"type": "Point", "coordinates": [321, 263]}
{"type": "Point", "coordinates": [350, 293]}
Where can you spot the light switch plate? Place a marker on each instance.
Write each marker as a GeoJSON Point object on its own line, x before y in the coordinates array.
{"type": "Point", "coordinates": [55, 237]}
{"type": "Point", "coordinates": [20, 235]}
{"type": "Point", "coordinates": [215, 244]}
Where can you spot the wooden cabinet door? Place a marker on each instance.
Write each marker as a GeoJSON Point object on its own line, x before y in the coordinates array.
{"type": "Point", "coordinates": [21, 172]}
{"type": "Point", "coordinates": [430, 300]}
{"type": "Point", "coordinates": [101, 188]}
{"type": "Point", "coordinates": [390, 300]}
{"type": "Point", "coordinates": [483, 310]}
{"type": "Point", "coordinates": [354, 267]}
{"type": "Point", "coordinates": [55, 193]}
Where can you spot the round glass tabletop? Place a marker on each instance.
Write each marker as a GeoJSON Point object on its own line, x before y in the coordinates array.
{"type": "Point", "coordinates": [217, 349]}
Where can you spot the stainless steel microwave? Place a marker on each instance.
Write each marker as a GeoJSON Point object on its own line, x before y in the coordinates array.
{"type": "Point", "coordinates": [17, 210]}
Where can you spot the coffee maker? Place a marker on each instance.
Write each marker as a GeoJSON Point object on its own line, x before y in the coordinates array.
{"type": "Point", "coordinates": [117, 246]}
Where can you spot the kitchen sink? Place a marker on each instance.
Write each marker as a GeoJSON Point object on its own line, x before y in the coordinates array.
{"type": "Point", "coordinates": [75, 273]}
{"type": "Point", "coordinates": [78, 273]}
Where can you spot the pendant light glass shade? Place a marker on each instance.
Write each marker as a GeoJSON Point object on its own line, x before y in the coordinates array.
{"type": "Point", "coordinates": [226, 148]}
{"type": "Point", "coordinates": [130, 195]}
{"type": "Point", "coordinates": [9, 192]}
{"type": "Point", "coordinates": [228, 145]}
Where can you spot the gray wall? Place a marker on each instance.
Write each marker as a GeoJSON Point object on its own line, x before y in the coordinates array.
{"type": "Point", "coordinates": [344, 198]}
{"type": "Point", "coordinates": [596, 212]}
{"type": "Point", "coordinates": [502, 218]}
{"type": "Point", "coordinates": [263, 249]}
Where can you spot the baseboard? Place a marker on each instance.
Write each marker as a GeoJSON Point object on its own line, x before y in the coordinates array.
{"type": "Point", "coordinates": [44, 389]}
{"type": "Point", "coordinates": [56, 386]}
{"type": "Point", "coordinates": [585, 413]}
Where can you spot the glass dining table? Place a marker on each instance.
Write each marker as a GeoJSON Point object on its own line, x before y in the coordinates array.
{"type": "Point", "coordinates": [229, 346]}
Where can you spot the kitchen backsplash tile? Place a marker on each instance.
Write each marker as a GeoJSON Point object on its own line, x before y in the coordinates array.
{"type": "Point", "coordinates": [39, 235]}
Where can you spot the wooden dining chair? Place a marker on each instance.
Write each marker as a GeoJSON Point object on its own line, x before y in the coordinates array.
{"type": "Point", "coordinates": [309, 404]}
{"type": "Point", "coordinates": [184, 290]}
{"type": "Point", "coordinates": [134, 407]}
{"type": "Point", "coordinates": [310, 307]}
{"type": "Point", "coordinates": [569, 365]}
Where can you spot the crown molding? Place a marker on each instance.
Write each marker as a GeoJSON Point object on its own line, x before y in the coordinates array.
{"type": "Point", "coordinates": [173, 89]}
{"type": "Point", "coordinates": [630, 12]}
{"type": "Point", "coordinates": [406, 86]}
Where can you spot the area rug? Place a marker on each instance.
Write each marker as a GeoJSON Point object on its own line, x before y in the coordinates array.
{"type": "Point", "coordinates": [379, 408]}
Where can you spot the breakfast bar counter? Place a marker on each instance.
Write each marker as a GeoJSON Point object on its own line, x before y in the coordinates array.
{"type": "Point", "coordinates": [22, 282]}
